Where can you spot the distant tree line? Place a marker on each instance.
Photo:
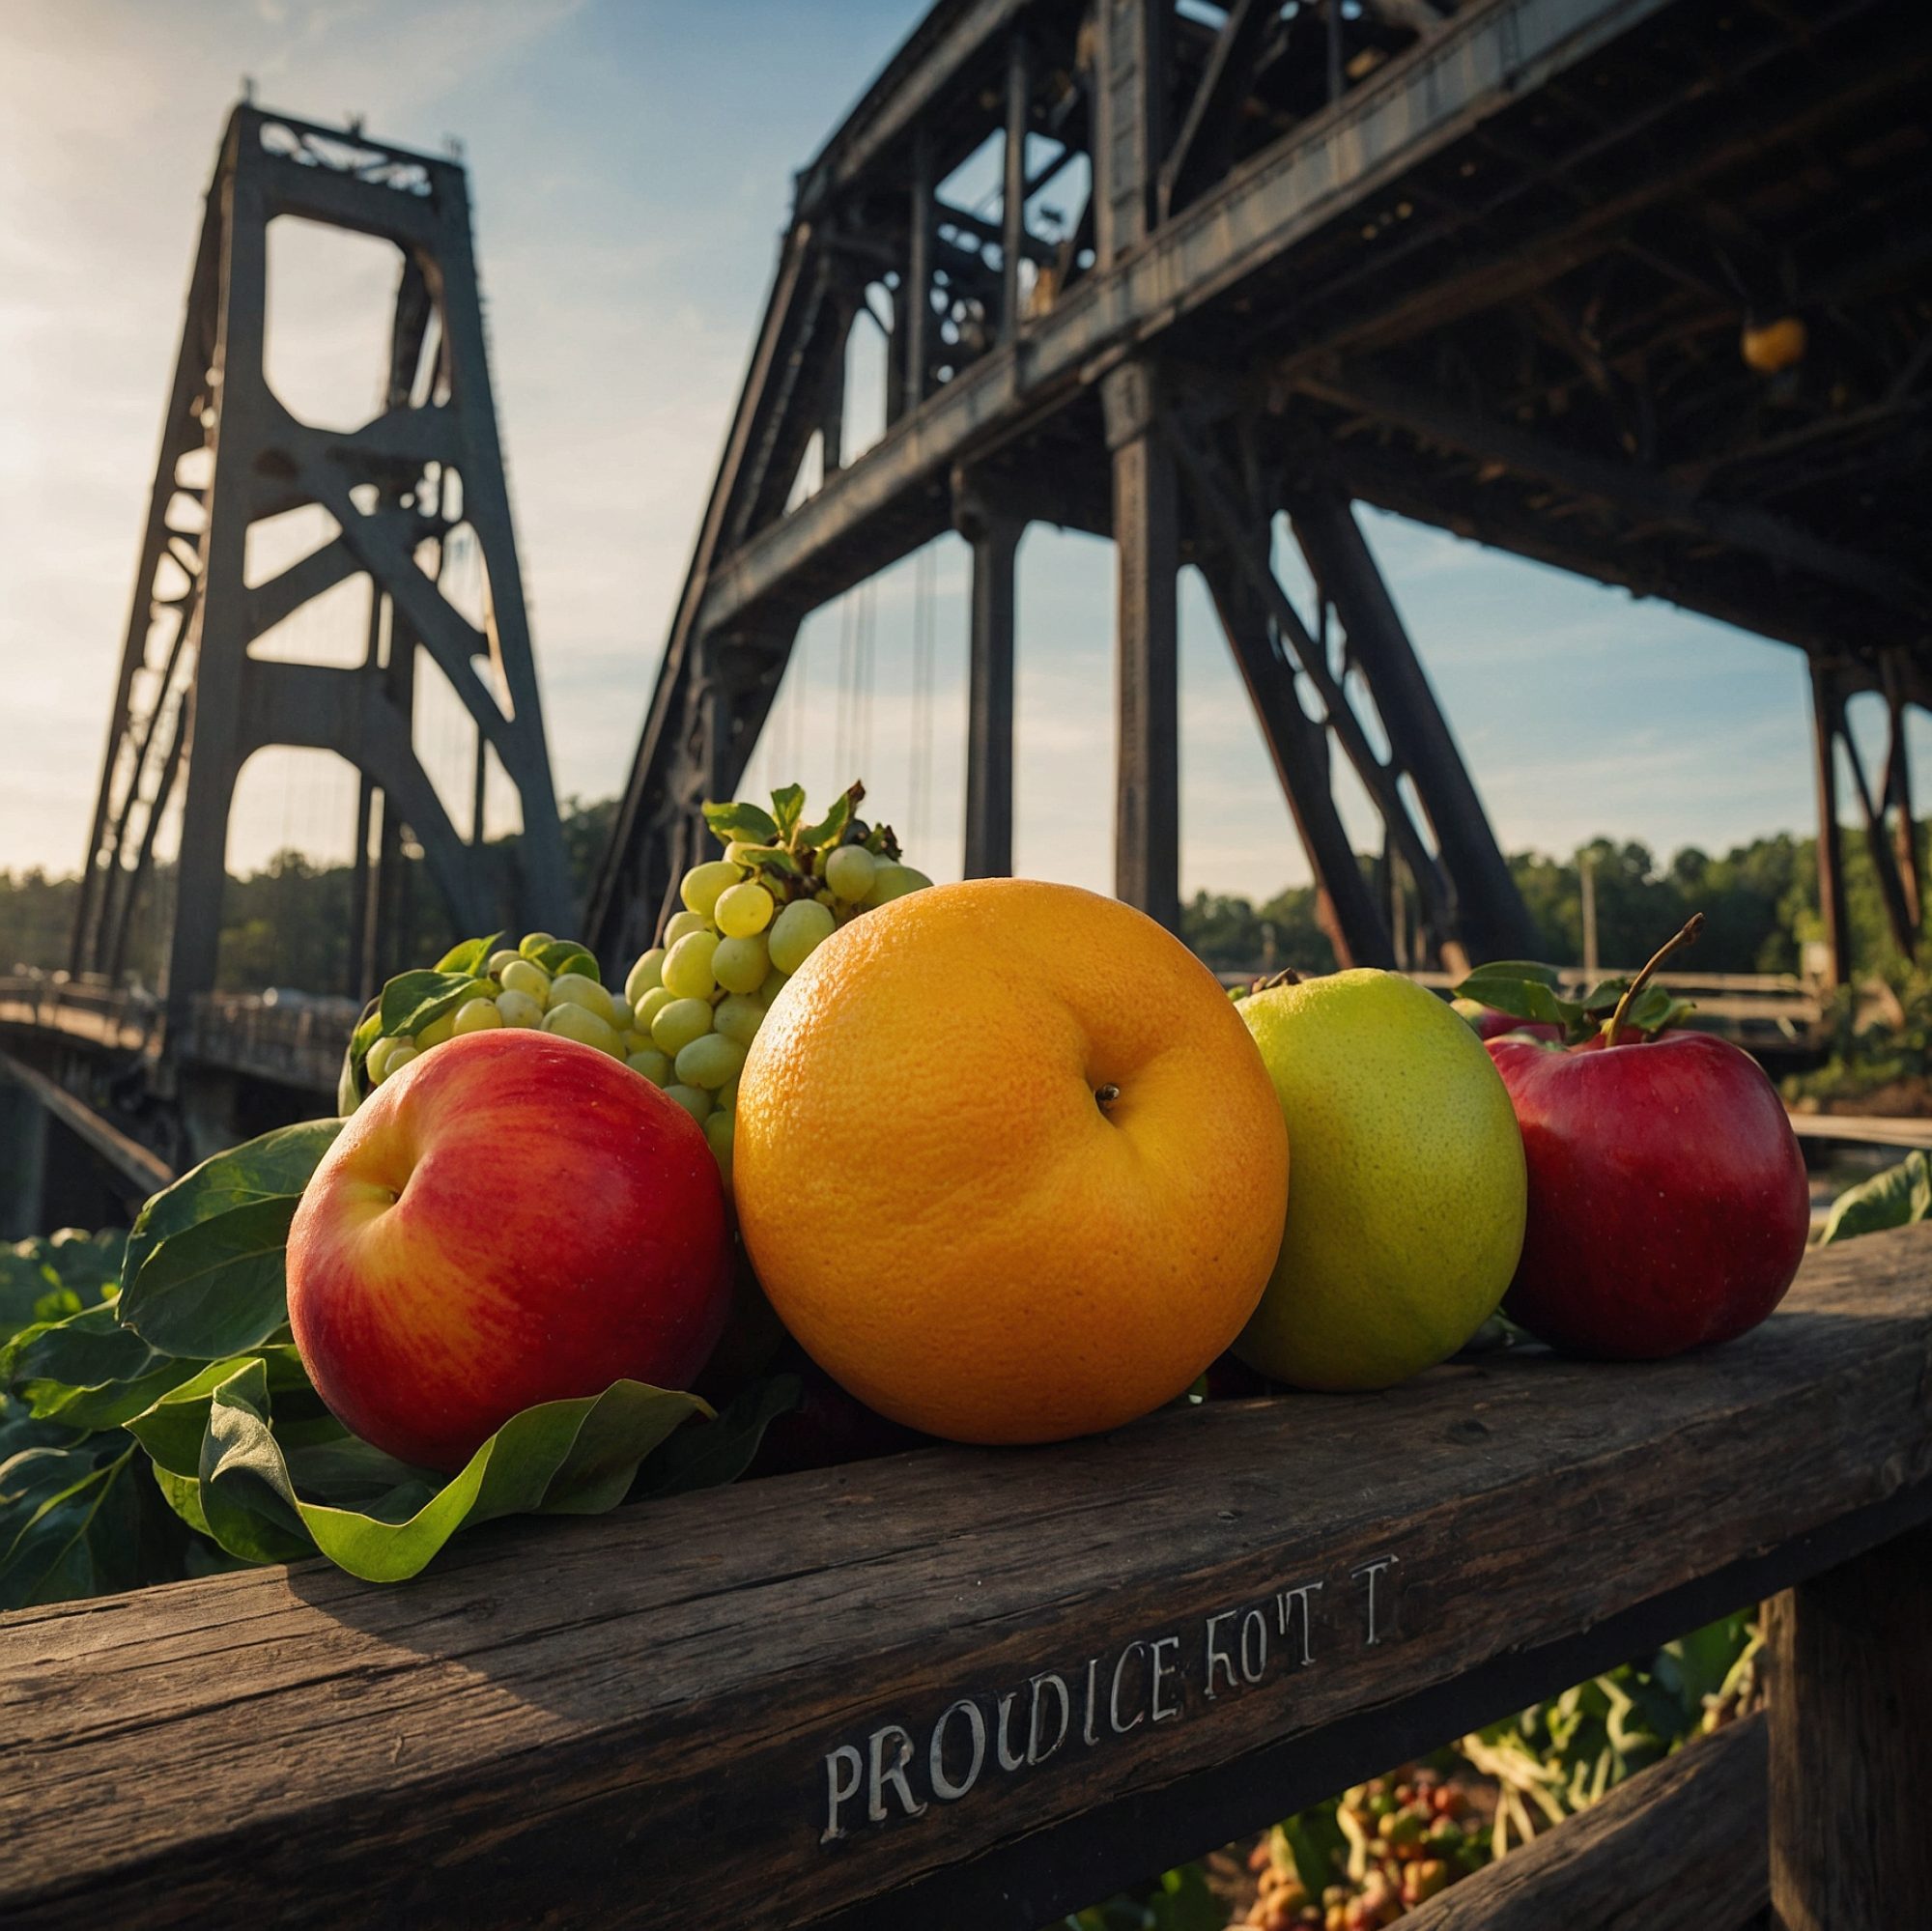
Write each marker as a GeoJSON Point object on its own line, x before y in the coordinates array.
{"type": "Point", "coordinates": [288, 924]}
{"type": "Point", "coordinates": [1760, 904]}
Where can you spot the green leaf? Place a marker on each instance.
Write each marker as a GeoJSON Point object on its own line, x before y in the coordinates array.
{"type": "Point", "coordinates": [275, 1163]}
{"type": "Point", "coordinates": [574, 1457]}
{"type": "Point", "coordinates": [828, 829]}
{"type": "Point", "coordinates": [469, 957]}
{"type": "Point", "coordinates": [774, 858]}
{"type": "Point", "coordinates": [87, 1372]}
{"type": "Point", "coordinates": [787, 808]}
{"type": "Point", "coordinates": [67, 1523]}
{"type": "Point", "coordinates": [1899, 1197]}
{"type": "Point", "coordinates": [742, 821]}
{"type": "Point", "coordinates": [217, 1287]}
{"type": "Point", "coordinates": [562, 956]}
{"type": "Point", "coordinates": [1656, 1008]}
{"type": "Point", "coordinates": [1530, 969]}
{"type": "Point", "coordinates": [413, 1000]}
{"type": "Point", "coordinates": [204, 1270]}
{"type": "Point", "coordinates": [710, 1454]}
{"type": "Point", "coordinates": [1523, 992]}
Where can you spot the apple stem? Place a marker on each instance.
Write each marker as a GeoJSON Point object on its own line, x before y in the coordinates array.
{"type": "Point", "coordinates": [1106, 1096]}
{"type": "Point", "coordinates": [1692, 925]}
{"type": "Point", "coordinates": [1287, 975]}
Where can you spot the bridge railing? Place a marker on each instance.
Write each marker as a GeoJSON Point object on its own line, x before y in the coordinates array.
{"type": "Point", "coordinates": [975, 1687]}
{"type": "Point", "coordinates": [293, 1039]}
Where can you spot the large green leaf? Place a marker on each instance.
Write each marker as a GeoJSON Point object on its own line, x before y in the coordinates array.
{"type": "Point", "coordinates": [560, 1458]}
{"type": "Point", "coordinates": [720, 1451]}
{"type": "Point", "coordinates": [217, 1287]}
{"type": "Point", "coordinates": [1898, 1197]}
{"type": "Point", "coordinates": [87, 1371]}
{"type": "Point", "coordinates": [205, 1266]}
{"type": "Point", "coordinates": [82, 1520]}
{"type": "Point", "coordinates": [275, 1163]}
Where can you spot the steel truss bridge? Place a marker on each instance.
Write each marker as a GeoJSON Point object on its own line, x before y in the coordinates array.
{"type": "Point", "coordinates": [1637, 288]}
{"type": "Point", "coordinates": [1485, 266]}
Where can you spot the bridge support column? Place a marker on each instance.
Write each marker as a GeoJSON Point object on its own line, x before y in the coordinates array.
{"type": "Point", "coordinates": [1346, 907]}
{"type": "Point", "coordinates": [989, 685]}
{"type": "Point", "coordinates": [1490, 917]}
{"type": "Point", "coordinates": [23, 1161]}
{"type": "Point", "coordinates": [1825, 709]}
{"type": "Point", "coordinates": [1146, 545]}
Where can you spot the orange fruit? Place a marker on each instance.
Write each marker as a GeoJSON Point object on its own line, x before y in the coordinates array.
{"type": "Point", "coordinates": [1007, 1162]}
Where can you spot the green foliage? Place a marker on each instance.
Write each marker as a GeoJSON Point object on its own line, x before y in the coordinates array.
{"type": "Point", "coordinates": [1760, 902]}
{"type": "Point", "coordinates": [288, 924]}
{"type": "Point", "coordinates": [1177, 1900]}
{"type": "Point", "coordinates": [1561, 1756]}
{"type": "Point", "coordinates": [205, 1275]}
{"type": "Point", "coordinates": [1899, 1197]}
{"type": "Point", "coordinates": [1528, 991]}
{"type": "Point", "coordinates": [1867, 1058]}
{"type": "Point", "coordinates": [263, 1499]}
{"type": "Point", "coordinates": [139, 1417]}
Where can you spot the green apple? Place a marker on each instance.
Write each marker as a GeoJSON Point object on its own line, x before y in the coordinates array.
{"type": "Point", "coordinates": [1407, 1195]}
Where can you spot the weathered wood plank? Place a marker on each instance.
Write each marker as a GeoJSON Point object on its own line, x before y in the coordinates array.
{"type": "Point", "coordinates": [648, 1717]}
{"type": "Point", "coordinates": [1851, 1743]}
{"type": "Point", "coordinates": [1680, 1847]}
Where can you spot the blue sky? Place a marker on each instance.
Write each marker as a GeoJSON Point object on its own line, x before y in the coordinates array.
{"type": "Point", "coordinates": [630, 171]}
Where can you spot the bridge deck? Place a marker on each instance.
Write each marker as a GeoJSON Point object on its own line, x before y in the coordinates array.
{"type": "Point", "coordinates": [720, 1710]}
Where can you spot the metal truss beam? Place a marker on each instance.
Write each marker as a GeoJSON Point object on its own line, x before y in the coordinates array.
{"type": "Point", "coordinates": [1490, 916]}
{"type": "Point", "coordinates": [1474, 67]}
{"type": "Point", "coordinates": [1631, 489]}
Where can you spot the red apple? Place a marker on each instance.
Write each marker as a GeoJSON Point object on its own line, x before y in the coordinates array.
{"type": "Point", "coordinates": [1669, 1206]}
{"type": "Point", "coordinates": [512, 1218]}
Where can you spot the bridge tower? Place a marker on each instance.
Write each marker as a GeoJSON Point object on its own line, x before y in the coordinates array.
{"type": "Point", "coordinates": [195, 700]}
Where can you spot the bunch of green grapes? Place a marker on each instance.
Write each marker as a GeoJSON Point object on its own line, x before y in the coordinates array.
{"type": "Point", "coordinates": [517, 988]}
{"type": "Point", "coordinates": [751, 918]}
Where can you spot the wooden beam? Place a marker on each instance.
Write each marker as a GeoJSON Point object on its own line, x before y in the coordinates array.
{"type": "Point", "coordinates": [1682, 1842]}
{"type": "Point", "coordinates": [689, 1687]}
{"type": "Point", "coordinates": [1851, 1748]}
{"type": "Point", "coordinates": [1146, 549]}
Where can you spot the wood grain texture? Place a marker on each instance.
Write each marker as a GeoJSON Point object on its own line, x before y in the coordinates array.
{"type": "Point", "coordinates": [628, 1721]}
{"type": "Point", "coordinates": [1680, 1847]}
{"type": "Point", "coordinates": [1851, 1744]}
